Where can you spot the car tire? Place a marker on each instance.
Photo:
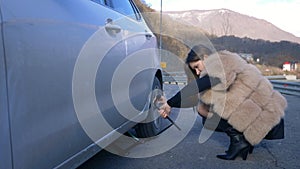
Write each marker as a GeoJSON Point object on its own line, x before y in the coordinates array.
{"type": "Point", "coordinates": [152, 126]}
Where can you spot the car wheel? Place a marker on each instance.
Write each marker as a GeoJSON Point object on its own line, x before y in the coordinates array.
{"type": "Point", "coordinates": [153, 123]}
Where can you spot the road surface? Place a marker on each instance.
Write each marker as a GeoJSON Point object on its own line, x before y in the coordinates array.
{"type": "Point", "coordinates": [190, 154]}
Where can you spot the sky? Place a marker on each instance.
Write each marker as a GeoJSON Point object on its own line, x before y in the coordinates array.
{"type": "Point", "coordinates": [285, 14]}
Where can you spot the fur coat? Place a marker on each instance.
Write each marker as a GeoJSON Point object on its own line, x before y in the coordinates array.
{"type": "Point", "coordinates": [244, 97]}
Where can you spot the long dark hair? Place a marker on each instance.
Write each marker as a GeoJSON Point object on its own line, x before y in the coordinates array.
{"type": "Point", "coordinates": [197, 53]}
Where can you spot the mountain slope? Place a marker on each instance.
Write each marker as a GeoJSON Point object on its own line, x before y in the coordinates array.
{"type": "Point", "coordinates": [222, 22]}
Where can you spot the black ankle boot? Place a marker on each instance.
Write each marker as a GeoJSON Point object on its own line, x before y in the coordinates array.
{"type": "Point", "coordinates": [224, 125]}
{"type": "Point", "coordinates": [239, 146]}
{"type": "Point", "coordinates": [250, 150]}
{"type": "Point", "coordinates": [232, 137]}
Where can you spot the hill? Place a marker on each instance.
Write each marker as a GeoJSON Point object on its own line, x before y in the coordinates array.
{"type": "Point", "coordinates": [224, 22]}
{"type": "Point", "coordinates": [177, 38]}
{"type": "Point", "coordinates": [178, 34]}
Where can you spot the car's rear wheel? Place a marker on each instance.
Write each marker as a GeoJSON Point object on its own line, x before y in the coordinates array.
{"type": "Point", "coordinates": [153, 123]}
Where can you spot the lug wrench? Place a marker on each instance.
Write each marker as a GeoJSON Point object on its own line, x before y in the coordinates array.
{"type": "Point", "coordinates": [157, 105]}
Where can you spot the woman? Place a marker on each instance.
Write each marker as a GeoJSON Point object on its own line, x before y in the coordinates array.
{"type": "Point", "coordinates": [236, 91]}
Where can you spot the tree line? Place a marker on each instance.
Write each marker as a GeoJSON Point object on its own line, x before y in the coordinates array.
{"type": "Point", "coordinates": [270, 53]}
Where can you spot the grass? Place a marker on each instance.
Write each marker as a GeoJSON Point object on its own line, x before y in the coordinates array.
{"type": "Point", "coordinates": [272, 71]}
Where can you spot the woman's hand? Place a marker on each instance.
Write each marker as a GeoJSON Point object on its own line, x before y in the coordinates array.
{"type": "Point", "coordinates": [203, 109]}
{"type": "Point", "coordinates": [164, 109]}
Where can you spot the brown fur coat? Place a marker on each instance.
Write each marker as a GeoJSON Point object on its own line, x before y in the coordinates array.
{"type": "Point", "coordinates": [244, 97]}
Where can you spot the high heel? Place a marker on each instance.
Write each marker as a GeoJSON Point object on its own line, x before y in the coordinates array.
{"type": "Point", "coordinates": [239, 146]}
{"type": "Point", "coordinates": [232, 156]}
{"type": "Point", "coordinates": [244, 153]}
{"type": "Point", "coordinates": [251, 149]}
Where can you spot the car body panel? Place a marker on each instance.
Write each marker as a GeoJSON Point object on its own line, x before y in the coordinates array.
{"type": "Point", "coordinates": [42, 41]}
{"type": "Point", "coordinates": [5, 144]}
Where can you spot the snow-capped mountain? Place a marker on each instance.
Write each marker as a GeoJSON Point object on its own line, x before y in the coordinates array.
{"type": "Point", "coordinates": [222, 22]}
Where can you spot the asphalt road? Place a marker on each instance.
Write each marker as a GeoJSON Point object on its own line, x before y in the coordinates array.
{"type": "Point", "coordinates": [191, 154]}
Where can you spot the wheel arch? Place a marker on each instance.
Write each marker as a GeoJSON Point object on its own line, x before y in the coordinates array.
{"type": "Point", "coordinates": [158, 74]}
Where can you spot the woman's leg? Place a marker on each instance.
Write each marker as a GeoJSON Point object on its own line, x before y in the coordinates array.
{"type": "Point", "coordinates": [212, 121]}
{"type": "Point", "coordinates": [239, 146]}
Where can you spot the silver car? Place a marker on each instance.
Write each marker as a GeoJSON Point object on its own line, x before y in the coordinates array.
{"type": "Point", "coordinates": [74, 74]}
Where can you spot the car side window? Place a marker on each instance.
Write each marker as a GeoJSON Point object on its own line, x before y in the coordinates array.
{"type": "Point", "coordinates": [125, 7]}
{"type": "Point", "coordinates": [102, 2]}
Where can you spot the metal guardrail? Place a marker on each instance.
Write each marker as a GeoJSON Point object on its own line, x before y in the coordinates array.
{"type": "Point", "coordinates": [287, 87]}
{"type": "Point", "coordinates": [175, 79]}
{"type": "Point", "coordinates": [283, 86]}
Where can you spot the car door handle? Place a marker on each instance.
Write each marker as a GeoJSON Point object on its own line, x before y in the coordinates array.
{"type": "Point", "coordinates": [112, 28]}
{"type": "Point", "coordinates": [148, 36]}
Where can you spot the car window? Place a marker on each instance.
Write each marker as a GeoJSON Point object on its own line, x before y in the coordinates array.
{"type": "Point", "coordinates": [102, 2]}
{"type": "Point", "coordinates": [125, 7]}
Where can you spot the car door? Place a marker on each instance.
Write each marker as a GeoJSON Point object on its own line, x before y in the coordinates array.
{"type": "Point", "coordinates": [116, 76]}
{"type": "Point", "coordinates": [132, 75]}
{"type": "Point", "coordinates": [44, 42]}
{"type": "Point", "coordinates": [137, 75]}
{"type": "Point", "coordinates": [5, 146]}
